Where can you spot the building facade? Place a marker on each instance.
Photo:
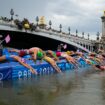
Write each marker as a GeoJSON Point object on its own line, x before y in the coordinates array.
{"type": "Point", "coordinates": [103, 31]}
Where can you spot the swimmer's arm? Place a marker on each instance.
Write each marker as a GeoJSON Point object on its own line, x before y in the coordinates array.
{"type": "Point", "coordinates": [35, 55]}
{"type": "Point", "coordinates": [14, 50]}
{"type": "Point", "coordinates": [24, 64]}
{"type": "Point", "coordinates": [53, 64]}
{"type": "Point", "coordinates": [56, 68]}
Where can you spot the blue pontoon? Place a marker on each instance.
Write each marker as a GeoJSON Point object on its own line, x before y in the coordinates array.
{"type": "Point", "coordinates": [10, 70]}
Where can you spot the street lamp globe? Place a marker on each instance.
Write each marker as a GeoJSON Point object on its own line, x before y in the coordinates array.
{"type": "Point", "coordinates": [11, 13]}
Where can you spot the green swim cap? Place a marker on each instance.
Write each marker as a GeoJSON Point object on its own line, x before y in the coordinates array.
{"type": "Point", "coordinates": [39, 54]}
{"type": "Point", "coordinates": [92, 63]}
{"type": "Point", "coordinates": [54, 54]}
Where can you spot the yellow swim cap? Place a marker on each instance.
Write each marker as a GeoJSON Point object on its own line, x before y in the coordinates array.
{"type": "Point", "coordinates": [68, 52]}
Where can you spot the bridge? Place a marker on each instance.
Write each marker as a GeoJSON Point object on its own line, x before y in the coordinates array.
{"type": "Point", "coordinates": [76, 41]}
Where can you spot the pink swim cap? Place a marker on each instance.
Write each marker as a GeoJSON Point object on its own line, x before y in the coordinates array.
{"type": "Point", "coordinates": [58, 54]}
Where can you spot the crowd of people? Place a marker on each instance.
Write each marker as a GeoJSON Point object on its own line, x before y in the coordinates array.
{"type": "Point", "coordinates": [52, 57]}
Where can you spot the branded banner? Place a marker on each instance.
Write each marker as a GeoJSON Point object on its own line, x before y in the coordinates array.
{"type": "Point", "coordinates": [5, 73]}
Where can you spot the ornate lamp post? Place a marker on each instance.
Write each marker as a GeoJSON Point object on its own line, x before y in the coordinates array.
{"type": "Point", "coordinates": [76, 32]}
{"type": "Point", "coordinates": [69, 30]}
{"type": "Point", "coordinates": [98, 35]}
{"type": "Point", "coordinates": [37, 20]}
{"type": "Point", "coordinates": [98, 43]}
{"type": "Point", "coordinates": [11, 13]}
{"type": "Point", "coordinates": [82, 34]}
{"type": "Point", "coordinates": [1, 36]}
{"type": "Point", "coordinates": [88, 36]}
{"type": "Point", "coordinates": [50, 23]}
{"type": "Point", "coordinates": [60, 26]}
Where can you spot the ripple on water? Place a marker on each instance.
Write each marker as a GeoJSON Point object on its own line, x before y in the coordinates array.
{"type": "Point", "coordinates": [72, 88]}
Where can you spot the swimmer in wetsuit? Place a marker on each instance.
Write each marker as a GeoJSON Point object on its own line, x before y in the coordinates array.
{"type": "Point", "coordinates": [19, 59]}
{"type": "Point", "coordinates": [42, 56]}
{"type": "Point", "coordinates": [100, 67]}
{"type": "Point", "coordinates": [52, 54]}
{"type": "Point", "coordinates": [21, 53]}
{"type": "Point", "coordinates": [32, 51]}
{"type": "Point", "coordinates": [35, 51]}
{"type": "Point", "coordinates": [68, 58]}
{"type": "Point", "coordinates": [52, 62]}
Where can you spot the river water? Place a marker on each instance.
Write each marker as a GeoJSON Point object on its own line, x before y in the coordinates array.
{"type": "Point", "coordinates": [85, 87]}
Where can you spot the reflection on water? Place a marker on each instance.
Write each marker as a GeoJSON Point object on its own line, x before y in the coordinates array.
{"type": "Point", "coordinates": [69, 88]}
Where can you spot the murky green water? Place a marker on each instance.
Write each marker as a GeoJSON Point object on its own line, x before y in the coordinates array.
{"type": "Point", "coordinates": [69, 88]}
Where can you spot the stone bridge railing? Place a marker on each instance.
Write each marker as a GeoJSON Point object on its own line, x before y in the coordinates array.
{"type": "Point", "coordinates": [71, 39]}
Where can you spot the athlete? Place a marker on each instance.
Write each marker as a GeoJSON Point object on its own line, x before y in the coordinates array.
{"type": "Point", "coordinates": [33, 50]}
{"type": "Point", "coordinates": [69, 58]}
{"type": "Point", "coordinates": [18, 59]}
{"type": "Point", "coordinates": [52, 62]}
{"type": "Point", "coordinates": [52, 54]}
{"type": "Point", "coordinates": [21, 53]}
{"type": "Point", "coordinates": [100, 67]}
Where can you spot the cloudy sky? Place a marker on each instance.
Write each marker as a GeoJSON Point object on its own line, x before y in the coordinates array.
{"type": "Point", "coordinates": [83, 15]}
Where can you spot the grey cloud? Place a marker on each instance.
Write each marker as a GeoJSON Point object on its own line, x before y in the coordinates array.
{"type": "Point", "coordinates": [83, 19]}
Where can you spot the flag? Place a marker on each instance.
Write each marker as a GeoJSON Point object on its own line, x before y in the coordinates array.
{"type": "Point", "coordinates": [84, 48]}
{"type": "Point", "coordinates": [65, 46]}
{"type": "Point", "coordinates": [7, 39]}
